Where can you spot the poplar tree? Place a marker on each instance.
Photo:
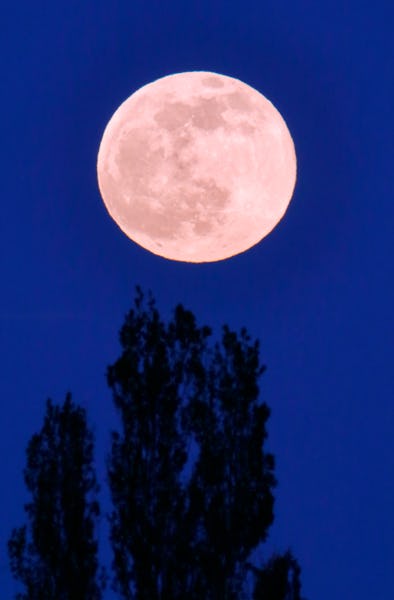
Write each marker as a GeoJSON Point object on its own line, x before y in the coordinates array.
{"type": "Point", "coordinates": [54, 555]}
{"type": "Point", "coordinates": [230, 490]}
{"type": "Point", "coordinates": [190, 479]}
{"type": "Point", "coordinates": [160, 366]}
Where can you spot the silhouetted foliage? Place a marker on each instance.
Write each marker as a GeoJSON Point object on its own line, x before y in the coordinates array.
{"type": "Point", "coordinates": [154, 371]}
{"type": "Point", "coordinates": [190, 480]}
{"type": "Point", "coordinates": [231, 502]}
{"type": "Point", "coordinates": [55, 555]}
{"type": "Point", "coordinates": [278, 580]}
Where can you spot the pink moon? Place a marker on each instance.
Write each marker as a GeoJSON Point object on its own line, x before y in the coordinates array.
{"type": "Point", "coordinates": [196, 167]}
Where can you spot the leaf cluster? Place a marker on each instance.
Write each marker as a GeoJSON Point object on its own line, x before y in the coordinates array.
{"type": "Point", "coordinates": [56, 556]}
{"type": "Point", "coordinates": [190, 479]}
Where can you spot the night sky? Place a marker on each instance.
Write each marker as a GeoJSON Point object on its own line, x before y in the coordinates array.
{"type": "Point", "coordinates": [317, 292]}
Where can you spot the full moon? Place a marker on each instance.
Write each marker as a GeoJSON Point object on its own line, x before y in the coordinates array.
{"type": "Point", "coordinates": [196, 167]}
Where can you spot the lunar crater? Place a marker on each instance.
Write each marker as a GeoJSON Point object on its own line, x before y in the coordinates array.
{"type": "Point", "coordinates": [213, 82]}
{"type": "Point", "coordinates": [206, 113]}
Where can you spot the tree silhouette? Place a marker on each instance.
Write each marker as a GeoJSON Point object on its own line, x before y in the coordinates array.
{"type": "Point", "coordinates": [55, 555]}
{"type": "Point", "coordinates": [230, 491]}
{"type": "Point", "coordinates": [278, 580]}
{"type": "Point", "coordinates": [190, 480]}
{"type": "Point", "coordinates": [154, 373]}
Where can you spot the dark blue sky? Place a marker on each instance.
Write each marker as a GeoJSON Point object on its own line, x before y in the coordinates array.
{"type": "Point", "coordinates": [317, 292]}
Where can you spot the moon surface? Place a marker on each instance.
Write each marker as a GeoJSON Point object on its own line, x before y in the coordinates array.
{"type": "Point", "coordinates": [196, 167]}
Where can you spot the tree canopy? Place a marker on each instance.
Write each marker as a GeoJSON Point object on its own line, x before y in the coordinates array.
{"type": "Point", "coordinates": [190, 478]}
{"type": "Point", "coordinates": [55, 555]}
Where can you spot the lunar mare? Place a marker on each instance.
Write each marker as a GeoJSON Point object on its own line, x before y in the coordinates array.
{"type": "Point", "coordinates": [196, 167]}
